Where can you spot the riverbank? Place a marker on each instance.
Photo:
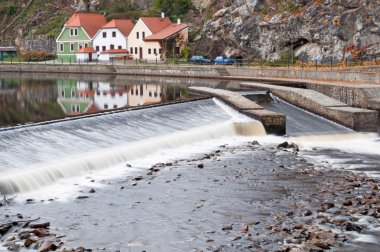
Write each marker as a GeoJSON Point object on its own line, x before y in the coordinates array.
{"type": "Point", "coordinates": [196, 71]}
{"type": "Point", "coordinates": [237, 197]}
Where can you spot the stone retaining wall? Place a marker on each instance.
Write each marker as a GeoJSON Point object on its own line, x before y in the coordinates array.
{"type": "Point", "coordinates": [317, 103]}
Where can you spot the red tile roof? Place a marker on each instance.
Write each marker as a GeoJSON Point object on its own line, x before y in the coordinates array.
{"type": "Point", "coordinates": [86, 50]}
{"type": "Point", "coordinates": [116, 51]}
{"type": "Point", "coordinates": [125, 26]}
{"type": "Point", "coordinates": [156, 24]}
{"type": "Point", "coordinates": [167, 32]}
{"type": "Point", "coordinates": [90, 22]}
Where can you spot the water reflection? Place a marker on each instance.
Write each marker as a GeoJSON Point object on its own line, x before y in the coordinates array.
{"type": "Point", "coordinates": [32, 100]}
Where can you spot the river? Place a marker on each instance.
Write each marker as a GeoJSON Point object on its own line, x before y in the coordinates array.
{"type": "Point", "coordinates": [105, 130]}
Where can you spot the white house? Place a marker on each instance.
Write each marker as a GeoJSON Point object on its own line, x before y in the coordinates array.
{"type": "Point", "coordinates": [85, 54]}
{"type": "Point", "coordinates": [107, 97]}
{"type": "Point", "coordinates": [112, 36]}
{"type": "Point", "coordinates": [147, 40]}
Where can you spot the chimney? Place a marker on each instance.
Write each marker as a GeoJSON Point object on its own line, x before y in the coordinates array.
{"type": "Point", "coordinates": [178, 21]}
{"type": "Point", "coordinates": [162, 15]}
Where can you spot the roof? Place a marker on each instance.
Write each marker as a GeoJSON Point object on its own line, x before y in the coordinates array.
{"type": "Point", "coordinates": [166, 32]}
{"type": "Point", "coordinates": [86, 50]}
{"type": "Point", "coordinates": [156, 24]}
{"type": "Point", "coordinates": [90, 22]}
{"type": "Point", "coordinates": [125, 26]}
{"type": "Point", "coordinates": [116, 51]}
{"type": "Point", "coordinates": [8, 49]}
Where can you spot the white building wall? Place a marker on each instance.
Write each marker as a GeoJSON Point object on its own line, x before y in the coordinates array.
{"type": "Point", "coordinates": [117, 41]}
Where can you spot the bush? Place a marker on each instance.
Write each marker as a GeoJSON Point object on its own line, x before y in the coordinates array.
{"type": "Point", "coordinates": [38, 56]}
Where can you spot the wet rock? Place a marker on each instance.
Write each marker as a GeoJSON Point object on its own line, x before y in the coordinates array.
{"type": "Point", "coordinates": [169, 164]}
{"type": "Point", "coordinates": [283, 145]}
{"type": "Point", "coordinates": [40, 225]}
{"type": "Point", "coordinates": [138, 178]}
{"type": "Point", "coordinates": [245, 228]}
{"type": "Point", "coordinates": [349, 226]}
{"type": "Point", "coordinates": [47, 246]}
{"type": "Point", "coordinates": [13, 247]}
{"type": "Point", "coordinates": [5, 228]}
{"type": "Point", "coordinates": [128, 165]}
{"type": "Point", "coordinates": [255, 142]}
{"type": "Point", "coordinates": [92, 190]}
{"type": "Point", "coordinates": [24, 236]}
{"type": "Point", "coordinates": [82, 197]}
{"type": "Point", "coordinates": [298, 226]}
{"type": "Point", "coordinates": [200, 165]}
{"type": "Point", "coordinates": [347, 203]}
{"type": "Point", "coordinates": [40, 232]}
{"type": "Point", "coordinates": [307, 213]}
{"type": "Point", "coordinates": [321, 244]}
{"type": "Point", "coordinates": [29, 241]}
{"type": "Point", "coordinates": [227, 228]}
{"type": "Point", "coordinates": [30, 201]}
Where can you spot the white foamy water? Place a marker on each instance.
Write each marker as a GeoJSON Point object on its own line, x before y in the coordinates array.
{"type": "Point", "coordinates": [169, 137]}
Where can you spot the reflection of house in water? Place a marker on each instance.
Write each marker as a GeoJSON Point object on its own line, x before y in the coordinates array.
{"type": "Point", "coordinates": [75, 97]}
{"type": "Point", "coordinates": [146, 94]}
{"type": "Point", "coordinates": [109, 97]}
{"type": "Point", "coordinates": [80, 97]}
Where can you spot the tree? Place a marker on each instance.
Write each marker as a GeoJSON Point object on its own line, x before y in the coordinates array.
{"type": "Point", "coordinates": [172, 8]}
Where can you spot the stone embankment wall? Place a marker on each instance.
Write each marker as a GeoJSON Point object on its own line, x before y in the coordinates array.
{"type": "Point", "coordinates": [355, 118]}
{"type": "Point", "coordinates": [199, 71]}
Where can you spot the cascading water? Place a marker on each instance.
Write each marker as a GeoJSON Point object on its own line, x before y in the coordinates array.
{"type": "Point", "coordinates": [171, 133]}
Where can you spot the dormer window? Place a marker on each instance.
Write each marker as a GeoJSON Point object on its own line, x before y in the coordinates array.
{"type": "Point", "coordinates": [74, 32]}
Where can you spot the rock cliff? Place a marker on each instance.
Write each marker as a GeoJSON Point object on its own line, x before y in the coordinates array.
{"type": "Point", "coordinates": [312, 29]}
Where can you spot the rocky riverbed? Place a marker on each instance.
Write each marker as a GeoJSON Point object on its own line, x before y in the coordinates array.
{"type": "Point", "coordinates": [249, 197]}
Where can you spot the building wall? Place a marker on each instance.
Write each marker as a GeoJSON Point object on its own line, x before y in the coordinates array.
{"type": "Point", "coordinates": [117, 41]}
{"type": "Point", "coordinates": [66, 39]}
{"type": "Point", "coordinates": [135, 43]}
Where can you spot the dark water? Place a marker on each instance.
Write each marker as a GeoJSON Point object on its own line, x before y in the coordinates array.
{"type": "Point", "coordinates": [28, 99]}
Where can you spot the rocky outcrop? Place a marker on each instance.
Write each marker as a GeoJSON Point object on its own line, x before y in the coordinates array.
{"type": "Point", "coordinates": [311, 29]}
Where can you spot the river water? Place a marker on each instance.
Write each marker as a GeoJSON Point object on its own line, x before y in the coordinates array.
{"type": "Point", "coordinates": [51, 161]}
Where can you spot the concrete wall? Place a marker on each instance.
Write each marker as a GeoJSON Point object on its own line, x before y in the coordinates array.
{"type": "Point", "coordinates": [326, 75]}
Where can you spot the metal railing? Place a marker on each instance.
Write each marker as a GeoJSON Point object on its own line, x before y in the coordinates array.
{"type": "Point", "coordinates": [327, 63]}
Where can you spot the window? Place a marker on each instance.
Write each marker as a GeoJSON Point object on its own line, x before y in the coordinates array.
{"type": "Point", "coordinates": [61, 47]}
{"type": "Point", "coordinates": [85, 45]}
{"type": "Point", "coordinates": [131, 50]}
{"type": "Point", "coordinates": [137, 92]}
{"type": "Point", "coordinates": [114, 34]}
{"type": "Point", "coordinates": [136, 50]}
{"type": "Point", "coordinates": [104, 48]}
{"type": "Point", "coordinates": [155, 51]}
{"type": "Point", "coordinates": [120, 47]}
{"type": "Point", "coordinates": [177, 50]}
{"type": "Point", "coordinates": [71, 47]}
{"type": "Point", "coordinates": [115, 106]}
{"type": "Point", "coordinates": [155, 94]}
{"type": "Point", "coordinates": [160, 51]}
{"type": "Point", "coordinates": [80, 46]}
{"type": "Point", "coordinates": [112, 47]}
{"type": "Point", "coordinates": [72, 92]}
{"type": "Point", "coordinates": [63, 93]}
{"type": "Point", "coordinates": [120, 94]}
{"type": "Point", "coordinates": [143, 35]}
{"type": "Point", "coordinates": [149, 51]}
{"type": "Point", "coordinates": [137, 35]}
{"type": "Point", "coordinates": [105, 106]}
{"type": "Point", "coordinates": [74, 32]}
{"type": "Point", "coordinates": [104, 34]}
{"type": "Point", "coordinates": [97, 48]}
{"type": "Point", "coordinates": [98, 93]}
{"type": "Point", "coordinates": [131, 91]}
{"type": "Point", "coordinates": [113, 95]}
{"type": "Point", "coordinates": [150, 93]}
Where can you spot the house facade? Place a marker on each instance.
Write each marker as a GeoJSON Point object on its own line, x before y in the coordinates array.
{"type": "Point", "coordinates": [78, 33]}
{"type": "Point", "coordinates": [113, 35]}
{"type": "Point", "coordinates": [148, 39]}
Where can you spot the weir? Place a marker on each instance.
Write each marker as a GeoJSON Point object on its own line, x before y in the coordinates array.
{"type": "Point", "coordinates": [108, 141]}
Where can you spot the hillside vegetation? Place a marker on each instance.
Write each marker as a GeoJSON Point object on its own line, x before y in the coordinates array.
{"type": "Point", "coordinates": [271, 29]}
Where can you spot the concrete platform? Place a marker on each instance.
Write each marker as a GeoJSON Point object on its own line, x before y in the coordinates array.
{"type": "Point", "coordinates": [274, 123]}
{"type": "Point", "coordinates": [355, 118]}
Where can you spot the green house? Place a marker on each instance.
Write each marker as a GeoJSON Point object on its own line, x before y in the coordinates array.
{"type": "Point", "coordinates": [78, 32]}
{"type": "Point", "coordinates": [7, 52]}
